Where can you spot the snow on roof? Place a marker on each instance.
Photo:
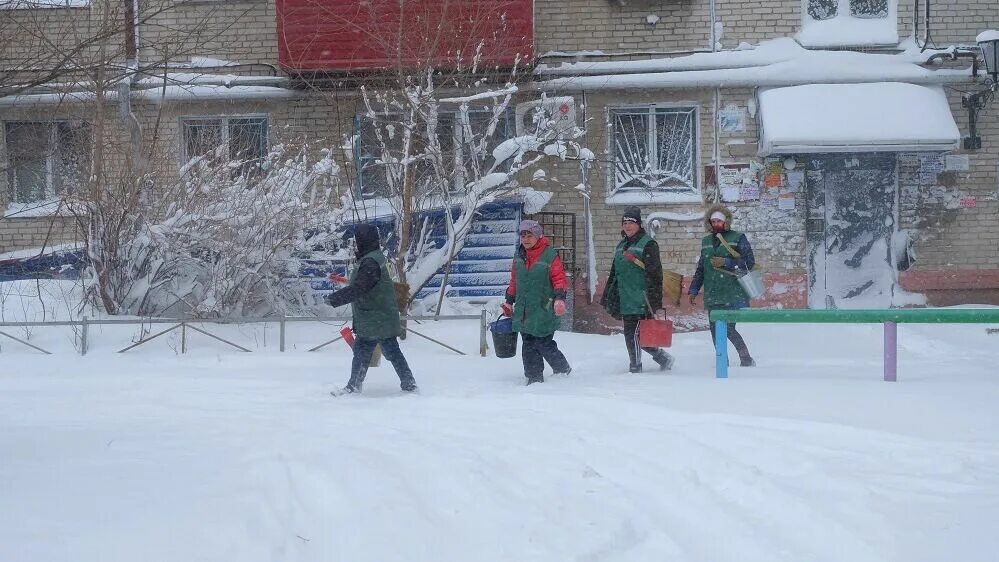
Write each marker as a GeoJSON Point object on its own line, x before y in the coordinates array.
{"type": "Point", "coordinates": [781, 62]}
{"type": "Point", "coordinates": [157, 94]}
{"type": "Point", "coordinates": [989, 35]}
{"type": "Point", "coordinates": [200, 78]}
{"type": "Point", "coordinates": [766, 53]}
{"type": "Point", "coordinates": [856, 117]}
{"type": "Point", "coordinates": [34, 4]}
{"type": "Point", "coordinates": [846, 30]}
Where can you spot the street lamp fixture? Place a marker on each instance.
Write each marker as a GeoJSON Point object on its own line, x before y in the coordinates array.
{"type": "Point", "coordinates": [988, 43]}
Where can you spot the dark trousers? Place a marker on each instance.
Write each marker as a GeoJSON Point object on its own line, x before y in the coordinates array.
{"type": "Point", "coordinates": [735, 337]}
{"type": "Point", "coordinates": [538, 349]}
{"type": "Point", "coordinates": [634, 349]}
{"type": "Point", "coordinates": [365, 347]}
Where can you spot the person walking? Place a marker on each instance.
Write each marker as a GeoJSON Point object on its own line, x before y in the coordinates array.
{"type": "Point", "coordinates": [535, 299]}
{"type": "Point", "coordinates": [634, 289]}
{"type": "Point", "coordinates": [375, 313]}
{"type": "Point", "coordinates": [725, 254]}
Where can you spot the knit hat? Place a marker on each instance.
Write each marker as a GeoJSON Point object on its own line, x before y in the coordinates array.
{"type": "Point", "coordinates": [633, 214]}
{"type": "Point", "coordinates": [528, 225]}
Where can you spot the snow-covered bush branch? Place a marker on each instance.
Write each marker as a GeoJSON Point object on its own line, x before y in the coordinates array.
{"type": "Point", "coordinates": [222, 241]}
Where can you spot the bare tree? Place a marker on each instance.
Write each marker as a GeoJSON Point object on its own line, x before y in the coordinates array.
{"type": "Point", "coordinates": [435, 126]}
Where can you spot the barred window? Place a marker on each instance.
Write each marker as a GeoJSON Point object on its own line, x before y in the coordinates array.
{"type": "Point", "coordinates": [654, 149]}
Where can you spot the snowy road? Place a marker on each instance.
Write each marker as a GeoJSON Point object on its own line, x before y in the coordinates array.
{"type": "Point", "coordinates": [218, 456]}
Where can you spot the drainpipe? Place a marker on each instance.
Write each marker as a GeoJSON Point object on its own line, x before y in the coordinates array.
{"type": "Point", "coordinates": [125, 112]}
{"type": "Point", "coordinates": [716, 156]}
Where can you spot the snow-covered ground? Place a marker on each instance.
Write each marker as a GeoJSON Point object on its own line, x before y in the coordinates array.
{"type": "Point", "coordinates": [220, 455]}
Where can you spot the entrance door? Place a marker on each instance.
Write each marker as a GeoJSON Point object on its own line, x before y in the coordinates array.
{"type": "Point", "coordinates": [851, 219]}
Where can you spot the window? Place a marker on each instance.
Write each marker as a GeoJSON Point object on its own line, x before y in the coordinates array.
{"type": "Point", "coordinates": [848, 23]}
{"type": "Point", "coordinates": [46, 159]}
{"type": "Point", "coordinates": [653, 149]}
{"type": "Point", "coordinates": [242, 141]}
{"type": "Point", "coordinates": [458, 155]}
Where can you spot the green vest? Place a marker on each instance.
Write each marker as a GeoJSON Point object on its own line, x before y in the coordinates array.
{"type": "Point", "coordinates": [721, 290]}
{"type": "Point", "coordinates": [376, 314]}
{"type": "Point", "coordinates": [630, 278]}
{"type": "Point", "coordinates": [532, 310]}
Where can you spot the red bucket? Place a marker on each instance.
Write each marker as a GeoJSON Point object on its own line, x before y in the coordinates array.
{"type": "Point", "coordinates": [655, 333]}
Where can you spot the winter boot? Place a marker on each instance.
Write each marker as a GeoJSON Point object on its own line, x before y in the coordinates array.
{"type": "Point", "coordinates": [747, 361]}
{"type": "Point", "coordinates": [635, 368]}
{"type": "Point", "coordinates": [532, 380]}
{"type": "Point", "coordinates": [665, 361]}
{"type": "Point", "coordinates": [410, 387]}
{"type": "Point", "coordinates": [349, 389]}
{"type": "Point", "coordinates": [565, 373]}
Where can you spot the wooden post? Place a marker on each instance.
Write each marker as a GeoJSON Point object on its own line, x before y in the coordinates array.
{"type": "Point", "coordinates": [891, 351]}
{"type": "Point", "coordinates": [483, 328]}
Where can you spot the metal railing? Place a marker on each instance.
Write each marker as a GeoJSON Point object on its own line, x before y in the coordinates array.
{"type": "Point", "coordinates": [183, 324]}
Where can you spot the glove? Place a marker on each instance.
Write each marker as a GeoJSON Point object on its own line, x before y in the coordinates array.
{"type": "Point", "coordinates": [338, 278]}
{"type": "Point", "coordinates": [693, 299]}
{"type": "Point", "coordinates": [717, 262]}
{"type": "Point", "coordinates": [660, 314]}
{"type": "Point", "coordinates": [559, 307]}
{"type": "Point", "coordinates": [507, 309]}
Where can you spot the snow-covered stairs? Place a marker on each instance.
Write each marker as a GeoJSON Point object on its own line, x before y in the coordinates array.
{"type": "Point", "coordinates": [482, 267]}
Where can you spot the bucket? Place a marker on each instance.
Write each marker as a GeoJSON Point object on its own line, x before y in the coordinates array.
{"type": "Point", "coordinates": [655, 333]}
{"type": "Point", "coordinates": [504, 338]}
{"type": "Point", "coordinates": [752, 283]}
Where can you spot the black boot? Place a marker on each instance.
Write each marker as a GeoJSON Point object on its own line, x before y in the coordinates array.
{"type": "Point", "coordinates": [532, 380]}
{"type": "Point", "coordinates": [635, 368]}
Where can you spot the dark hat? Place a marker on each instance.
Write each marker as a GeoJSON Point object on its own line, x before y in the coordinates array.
{"type": "Point", "coordinates": [633, 214]}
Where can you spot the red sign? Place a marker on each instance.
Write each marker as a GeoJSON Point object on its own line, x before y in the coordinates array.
{"type": "Point", "coordinates": [969, 202]}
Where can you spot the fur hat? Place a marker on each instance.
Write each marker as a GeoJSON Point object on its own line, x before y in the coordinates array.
{"type": "Point", "coordinates": [717, 208]}
{"type": "Point", "coordinates": [633, 214]}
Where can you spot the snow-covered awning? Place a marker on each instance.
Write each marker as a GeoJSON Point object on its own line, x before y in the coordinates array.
{"type": "Point", "coordinates": [878, 117]}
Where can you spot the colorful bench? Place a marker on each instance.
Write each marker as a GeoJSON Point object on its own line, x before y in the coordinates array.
{"type": "Point", "coordinates": [890, 319]}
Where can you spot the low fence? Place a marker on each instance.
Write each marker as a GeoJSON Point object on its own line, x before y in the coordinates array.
{"type": "Point", "coordinates": [889, 318]}
{"type": "Point", "coordinates": [185, 324]}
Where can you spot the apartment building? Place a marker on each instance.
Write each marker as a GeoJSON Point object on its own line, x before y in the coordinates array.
{"type": "Point", "coordinates": [837, 130]}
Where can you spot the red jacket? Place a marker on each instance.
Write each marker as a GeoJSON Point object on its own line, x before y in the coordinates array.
{"type": "Point", "coordinates": [556, 273]}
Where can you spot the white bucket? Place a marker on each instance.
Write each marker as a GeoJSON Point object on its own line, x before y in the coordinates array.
{"type": "Point", "coordinates": [752, 283]}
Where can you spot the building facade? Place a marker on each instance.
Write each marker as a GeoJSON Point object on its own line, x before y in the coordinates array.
{"type": "Point", "coordinates": [834, 129]}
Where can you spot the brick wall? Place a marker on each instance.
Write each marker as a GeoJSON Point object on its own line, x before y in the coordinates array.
{"type": "Point", "coordinates": [588, 25]}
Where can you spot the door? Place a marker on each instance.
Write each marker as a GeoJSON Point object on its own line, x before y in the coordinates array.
{"type": "Point", "coordinates": [851, 220]}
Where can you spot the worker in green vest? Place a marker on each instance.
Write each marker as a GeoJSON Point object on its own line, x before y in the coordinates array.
{"type": "Point", "coordinates": [375, 312]}
{"type": "Point", "coordinates": [725, 254]}
{"type": "Point", "coordinates": [536, 299]}
{"type": "Point", "coordinates": [634, 289]}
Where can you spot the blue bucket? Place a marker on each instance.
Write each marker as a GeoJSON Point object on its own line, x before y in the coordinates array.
{"type": "Point", "coordinates": [504, 338]}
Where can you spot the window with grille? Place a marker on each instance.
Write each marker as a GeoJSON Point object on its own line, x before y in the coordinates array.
{"type": "Point", "coordinates": [46, 159]}
{"type": "Point", "coordinates": [464, 147]}
{"type": "Point", "coordinates": [241, 141]}
{"type": "Point", "coordinates": [654, 149]}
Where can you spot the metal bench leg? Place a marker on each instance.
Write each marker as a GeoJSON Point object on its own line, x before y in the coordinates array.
{"type": "Point", "coordinates": [891, 351]}
{"type": "Point", "coordinates": [721, 349]}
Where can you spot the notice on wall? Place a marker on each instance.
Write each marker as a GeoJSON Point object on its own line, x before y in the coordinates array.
{"type": "Point", "coordinates": [773, 181]}
{"type": "Point", "coordinates": [957, 163]}
{"type": "Point", "coordinates": [795, 180]}
{"type": "Point", "coordinates": [785, 201]}
{"type": "Point", "coordinates": [731, 194]}
{"type": "Point", "coordinates": [969, 202]}
{"type": "Point", "coordinates": [749, 193]}
{"type": "Point", "coordinates": [732, 119]}
{"type": "Point", "coordinates": [930, 166]}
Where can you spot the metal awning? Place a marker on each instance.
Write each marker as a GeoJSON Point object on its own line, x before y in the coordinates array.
{"type": "Point", "coordinates": [874, 117]}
